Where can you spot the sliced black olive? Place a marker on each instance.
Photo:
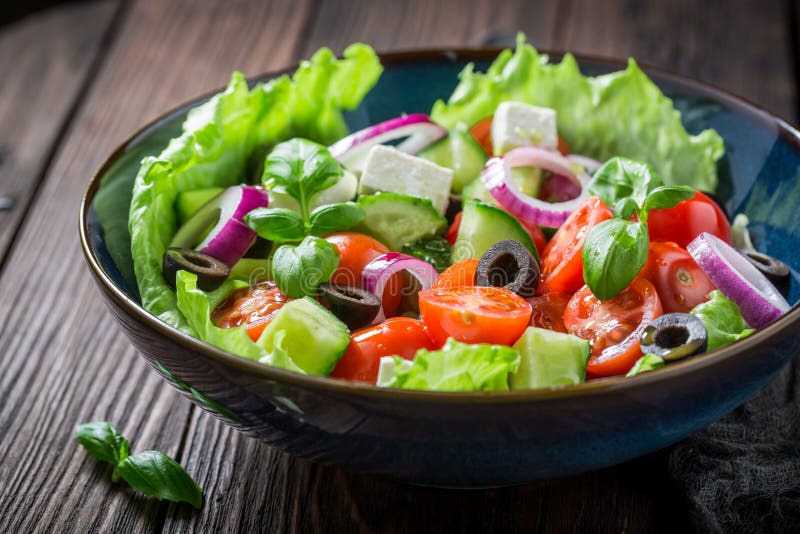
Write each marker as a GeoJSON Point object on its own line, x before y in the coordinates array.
{"type": "Point", "coordinates": [211, 272]}
{"type": "Point", "coordinates": [510, 265]}
{"type": "Point", "coordinates": [776, 271]}
{"type": "Point", "coordinates": [674, 336]}
{"type": "Point", "coordinates": [356, 307]}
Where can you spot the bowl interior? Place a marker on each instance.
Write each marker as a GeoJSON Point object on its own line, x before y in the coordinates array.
{"type": "Point", "coordinates": [758, 174]}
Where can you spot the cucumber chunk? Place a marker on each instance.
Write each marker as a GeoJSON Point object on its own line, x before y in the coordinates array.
{"type": "Point", "coordinates": [188, 202]}
{"type": "Point", "coordinates": [549, 358]}
{"type": "Point", "coordinates": [396, 220]}
{"type": "Point", "coordinates": [483, 225]}
{"type": "Point", "coordinates": [312, 337]}
{"type": "Point", "coordinates": [460, 152]}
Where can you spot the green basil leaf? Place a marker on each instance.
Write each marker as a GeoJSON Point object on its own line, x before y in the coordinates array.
{"type": "Point", "coordinates": [335, 218]}
{"type": "Point", "coordinates": [300, 168]}
{"type": "Point", "coordinates": [298, 270]}
{"type": "Point", "coordinates": [625, 208]}
{"type": "Point", "coordinates": [614, 252]}
{"type": "Point", "coordinates": [102, 441]}
{"type": "Point", "coordinates": [619, 178]}
{"type": "Point", "coordinates": [667, 196]}
{"type": "Point", "coordinates": [157, 475]}
{"type": "Point", "coordinates": [276, 224]}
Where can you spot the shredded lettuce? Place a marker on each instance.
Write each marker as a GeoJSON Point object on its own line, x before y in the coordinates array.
{"type": "Point", "coordinates": [619, 114]}
{"type": "Point", "coordinates": [723, 320]}
{"type": "Point", "coordinates": [217, 139]}
{"type": "Point", "coordinates": [456, 367]}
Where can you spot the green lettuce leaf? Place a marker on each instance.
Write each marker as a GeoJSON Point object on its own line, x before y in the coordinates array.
{"type": "Point", "coordinates": [196, 306]}
{"type": "Point", "coordinates": [617, 114]}
{"type": "Point", "coordinates": [723, 320]}
{"type": "Point", "coordinates": [217, 140]}
{"type": "Point", "coordinates": [645, 364]}
{"type": "Point", "coordinates": [458, 367]}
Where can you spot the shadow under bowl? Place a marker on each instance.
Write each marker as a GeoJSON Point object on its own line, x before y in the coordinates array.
{"type": "Point", "coordinates": [472, 439]}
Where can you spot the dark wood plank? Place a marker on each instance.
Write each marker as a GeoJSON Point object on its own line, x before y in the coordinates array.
{"type": "Point", "coordinates": [64, 361]}
{"type": "Point", "coordinates": [740, 45]}
{"type": "Point", "coordinates": [45, 61]}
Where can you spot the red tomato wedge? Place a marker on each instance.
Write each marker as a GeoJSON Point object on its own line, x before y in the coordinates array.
{"type": "Point", "coordinates": [459, 274]}
{"type": "Point", "coordinates": [613, 327]}
{"type": "Point", "coordinates": [254, 307]}
{"type": "Point", "coordinates": [562, 263]}
{"type": "Point", "coordinates": [398, 336]}
{"type": "Point", "coordinates": [688, 220]}
{"type": "Point", "coordinates": [474, 314]}
{"type": "Point", "coordinates": [681, 283]}
{"type": "Point", "coordinates": [548, 311]}
{"type": "Point", "coordinates": [452, 232]}
{"type": "Point", "coordinates": [482, 132]}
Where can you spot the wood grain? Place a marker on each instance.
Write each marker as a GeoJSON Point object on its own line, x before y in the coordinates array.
{"type": "Point", "coordinates": [46, 61]}
{"type": "Point", "coordinates": [64, 361]}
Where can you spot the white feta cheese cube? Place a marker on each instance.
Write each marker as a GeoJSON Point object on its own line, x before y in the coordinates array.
{"type": "Point", "coordinates": [516, 124]}
{"type": "Point", "coordinates": [391, 171]}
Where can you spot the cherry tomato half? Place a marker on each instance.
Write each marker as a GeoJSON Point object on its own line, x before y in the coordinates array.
{"type": "Point", "coordinates": [482, 132]}
{"type": "Point", "coordinates": [681, 283]}
{"type": "Point", "coordinates": [253, 306]}
{"type": "Point", "coordinates": [474, 314]}
{"type": "Point", "coordinates": [548, 311]}
{"type": "Point", "coordinates": [355, 252]}
{"type": "Point", "coordinates": [613, 327]}
{"type": "Point", "coordinates": [398, 336]}
{"type": "Point", "coordinates": [459, 274]}
{"type": "Point", "coordinates": [687, 220]}
{"type": "Point", "coordinates": [562, 262]}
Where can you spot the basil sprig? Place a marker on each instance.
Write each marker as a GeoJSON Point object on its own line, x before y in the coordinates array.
{"type": "Point", "coordinates": [615, 250]}
{"type": "Point", "coordinates": [301, 169]}
{"type": "Point", "coordinates": [150, 472]}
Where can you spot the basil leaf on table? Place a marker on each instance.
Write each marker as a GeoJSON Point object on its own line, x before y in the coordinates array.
{"type": "Point", "coordinates": [157, 475]}
{"type": "Point", "coordinates": [335, 218]}
{"type": "Point", "coordinates": [151, 472]}
{"type": "Point", "coordinates": [276, 224]}
{"type": "Point", "coordinates": [620, 178]}
{"type": "Point", "coordinates": [102, 441]}
{"type": "Point", "coordinates": [614, 252]}
{"type": "Point", "coordinates": [300, 168]}
{"type": "Point", "coordinates": [299, 270]}
{"type": "Point", "coordinates": [667, 197]}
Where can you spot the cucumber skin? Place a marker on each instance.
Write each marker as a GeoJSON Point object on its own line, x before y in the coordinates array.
{"type": "Point", "coordinates": [421, 218]}
{"type": "Point", "coordinates": [483, 225]}
{"type": "Point", "coordinates": [458, 146]}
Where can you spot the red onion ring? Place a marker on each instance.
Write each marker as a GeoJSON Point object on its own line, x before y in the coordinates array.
{"type": "Point", "coordinates": [376, 274]}
{"type": "Point", "coordinates": [496, 176]}
{"type": "Point", "coordinates": [418, 128]}
{"type": "Point", "coordinates": [758, 300]}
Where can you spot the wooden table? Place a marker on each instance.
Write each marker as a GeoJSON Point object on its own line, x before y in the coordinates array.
{"type": "Point", "coordinates": [77, 79]}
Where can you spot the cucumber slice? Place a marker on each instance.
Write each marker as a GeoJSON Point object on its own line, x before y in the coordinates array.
{"type": "Point", "coordinates": [549, 358]}
{"type": "Point", "coordinates": [475, 189]}
{"type": "Point", "coordinates": [483, 225]}
{"type": "Point", "coordinates": [395, 219]}
{"type": "Point", "coordinates": [188, 202]}
{"type": "Point", "coordinates": [458, 151]}
{"type": "Point", "coordinates": [314, 338]}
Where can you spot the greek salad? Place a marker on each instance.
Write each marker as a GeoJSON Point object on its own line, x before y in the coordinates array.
{"type": "Point", "coordinates": [540, 228]}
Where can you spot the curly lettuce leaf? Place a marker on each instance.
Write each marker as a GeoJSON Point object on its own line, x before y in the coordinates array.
{"type": "Point", "coordinates": [457, 367]}
{"type": "Point", "coordinates": [219, 136]}
{"type": "Point", "coordinates": [619, 114]}
{"type": "Point", "coordinates": [197, 305]}
{"type": "Point", "coordinates": [723, 320]}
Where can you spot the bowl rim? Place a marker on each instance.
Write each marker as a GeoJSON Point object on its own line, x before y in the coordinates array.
{"type": "Point", "coordinates": [722, 356]}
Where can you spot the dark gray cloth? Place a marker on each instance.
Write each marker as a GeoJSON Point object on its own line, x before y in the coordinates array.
{"type": "Point", "coordinates": [742, 473]}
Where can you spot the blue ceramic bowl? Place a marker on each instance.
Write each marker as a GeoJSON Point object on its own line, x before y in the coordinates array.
{"type": "Point", "coordinates": [472, 439]}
